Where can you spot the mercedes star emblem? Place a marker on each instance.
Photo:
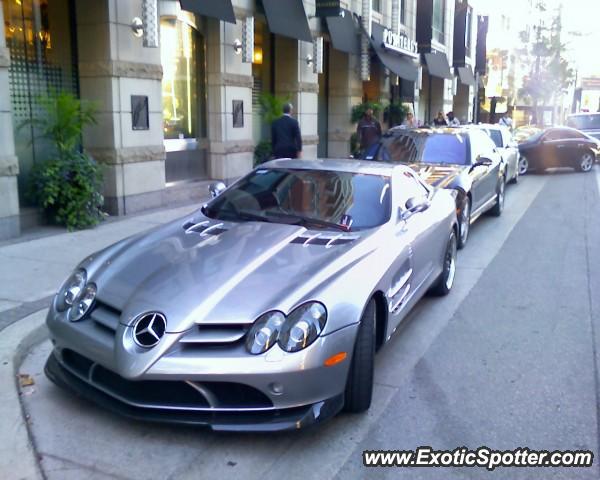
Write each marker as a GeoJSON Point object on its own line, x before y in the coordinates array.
{"type": "Point", "coordinates": [149, 329]}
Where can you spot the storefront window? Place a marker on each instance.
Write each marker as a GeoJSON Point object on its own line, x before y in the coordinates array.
{"type": "Point", "coordinates": [439, 11]}
{"type": "Point", "coordinates": [179, 83]}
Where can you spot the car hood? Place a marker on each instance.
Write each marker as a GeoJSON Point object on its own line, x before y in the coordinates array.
{"type": "Point", "coordinates": [229, 273]}
{"type": "Point", "coordinates": [438, 175]}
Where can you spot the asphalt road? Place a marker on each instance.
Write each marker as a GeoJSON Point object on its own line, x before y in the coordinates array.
{"type": "Point", "coordinates": [509, 359]}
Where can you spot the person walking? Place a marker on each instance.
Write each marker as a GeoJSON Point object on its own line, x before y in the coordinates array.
{"type": "Point", "coordinates": [285, 135]}
{"type": "Point", "coordinates": [369, 133]}
{"type": "Point", "coordinates": [452, 120]}
{"type": "Point", "coordinates": [440, 121]}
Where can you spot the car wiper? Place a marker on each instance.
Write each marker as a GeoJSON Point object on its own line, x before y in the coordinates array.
{"type": "Point", "coordinates": [302, 220]}
{"type": "Point", "coordinates": [237, 214]}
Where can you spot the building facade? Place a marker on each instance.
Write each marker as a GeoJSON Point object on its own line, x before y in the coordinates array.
{"type": "Point", "coordinates": [180, 85]}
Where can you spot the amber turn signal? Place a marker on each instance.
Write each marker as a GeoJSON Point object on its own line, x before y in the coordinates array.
{"type": "Point", "coordinates": [335, 359]}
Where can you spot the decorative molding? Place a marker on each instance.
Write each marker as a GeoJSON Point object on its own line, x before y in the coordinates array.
{"type": "Point", "coordinates": [4, 57]}
{"type": "Point", "coordinates": [299, 87]}
{"type": "Point", "coordinates": [118, 156]}
{"type": "Point", "coordinates": [346, 92]}
{"type": "Point", "coordinates": [118, 68]}
{"type": "Point", "coordinates": [9, 166]}
{"type": "Point", "coordinates": [339, 136]}
{"type": "Point", "coordinates": [236, 146]}
{"type": "Point", "coordinates": [310, 139]}
{"type": "Point", "coordinates": [230, 80]}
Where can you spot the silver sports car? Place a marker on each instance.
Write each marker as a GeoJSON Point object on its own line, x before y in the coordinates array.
{"type": "Point", "coordinates": [263, 309]}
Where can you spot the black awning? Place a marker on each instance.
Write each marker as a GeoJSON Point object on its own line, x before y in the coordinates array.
{"type": "Point", "coordinates": [222, 9]}
{"type": "Point", "coordinates": [397, 63]}
{"type": "Point", "coordinates": [437, 65]}
{"type": "Point", "coordinates": [287, 18]}
{"type": "Point", "coordinates": [466, 76]}
{"type": "Point", "coordinates": [344, 32]}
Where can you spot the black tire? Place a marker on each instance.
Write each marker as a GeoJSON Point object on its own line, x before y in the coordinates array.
{"type": "Point", "coordinates": [359, 386]}
{"type": "Point", "coordinates": [497, 209]}
{"type": "Point", "coordinates": [586, 162]}
{"type": "Point", "coordinates": [445, 281]}
{"type": "Point", "coordinates": [515, 179]}
{"type": "Point", "coordinates": [464, 222]}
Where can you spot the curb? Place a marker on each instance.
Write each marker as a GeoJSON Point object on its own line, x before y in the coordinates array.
{"type": "Point", "coordinates": [17, 454]}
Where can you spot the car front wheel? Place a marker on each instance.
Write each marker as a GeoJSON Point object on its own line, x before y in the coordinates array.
{"type": "Point", "coordinates": [499, 207]}
{"type": "Point", "coordinates": [445, 281]}
{"type": "Point", "coordinates": [523, 165]}
{"type": "Point", "coordinates": [464, 224]}
{"type": "Point", "coordinates": [586, 162]}
{"type": "Point", "coordinates": [359, 386]}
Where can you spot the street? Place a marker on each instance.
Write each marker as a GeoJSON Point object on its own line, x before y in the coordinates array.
{"type": "Point", "coordinates": [508, 359]}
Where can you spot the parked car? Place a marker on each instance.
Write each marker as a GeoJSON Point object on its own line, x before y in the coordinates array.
{"type": "Point", "coordinates": [461, 159]}
{"type": "Point", "coordinates": [560, 147]}
{"type": "Point", "coordinates": [588, 123]}
{"type": "Point", "coordinates": [263, 309]}
{"type": "Point", "coordinates": [506, 146]}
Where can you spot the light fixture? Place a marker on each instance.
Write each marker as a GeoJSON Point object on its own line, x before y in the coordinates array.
{"type": "Point", "coordinates": [309, 59]}
{"type": "Point", "coordinates": [257, 58]}
{"type": "Point", "coordinates": [237, 46]}
{"type": "Point", "coordinates": [150, 23]}
{"type": "Point", "coordinates": [318, 55]}
{"type": "Point", "coordinates": [137, 26]}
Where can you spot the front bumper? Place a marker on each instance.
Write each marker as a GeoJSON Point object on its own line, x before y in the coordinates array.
{"type": "Point", "coordinates": [266, 420]}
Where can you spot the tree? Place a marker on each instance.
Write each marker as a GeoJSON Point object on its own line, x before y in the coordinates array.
{"type": "Point", "coordinates": [550, 72]}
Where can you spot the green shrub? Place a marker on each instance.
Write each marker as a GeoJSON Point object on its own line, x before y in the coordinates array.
{"type": "Point", "coordinates": [358, 111]}
{"type": "Point", "coordinates": [68, 184]}
{"type": "Point", "coordinates": [262, 152]}
{"type": "Point", "coordinates": [395, 113]}
{"type": "Point", "coordinates": [272, 106]}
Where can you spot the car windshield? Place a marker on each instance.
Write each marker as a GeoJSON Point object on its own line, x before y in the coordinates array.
{"type": "Point", "coordinates": [445, 148]}
{"type": "Point", "coordinates": [584, 122]}
{"type": "Point", "coordinates": [313, 198]}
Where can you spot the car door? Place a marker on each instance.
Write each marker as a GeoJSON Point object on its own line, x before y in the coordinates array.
{"type": "Point", "coordinates": [552, 149]}
{"type": "Point", "coordinates": [484, 178]}
{"type": "Point", "coordinates": [511, 154]}
{"type": "Point", "coordinates": [574, 144]}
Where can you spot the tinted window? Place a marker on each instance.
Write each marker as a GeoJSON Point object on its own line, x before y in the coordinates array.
{"type": "Point", "coordinates": [399, 148]}
{"type": "Point", "coordinates": [560, 134]}
{"type": "Point", "coordinates": [328, 196]}
{"type": "Point", "coordinates": [584, 122]}
{"type": "Point", "coordinates": [496, 136]}
{"type": "Point", "coordinates": [446, 148]}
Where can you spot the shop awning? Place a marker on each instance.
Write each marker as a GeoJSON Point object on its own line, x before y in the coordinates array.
{"type": "Point", "coordinates": [344, 33]}
{"type": "Point", "coordinates": [466, 76]}
{"type": "Point", "coordinates": [287, 18]}
{"type": "Point", "coordinates": [397, 63]}
{"type": "Point", "coordinates": [223, 9]}
{"type": "Point", "coordinates": [437, 65]}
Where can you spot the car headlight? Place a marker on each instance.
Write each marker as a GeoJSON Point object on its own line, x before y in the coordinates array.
{"type": "Point", "coordinates": [83, 304]}
{"type": "Point", "coordinates": [71, 290]}
{"type": "Point", "coordinates": [264, 333]}
{"type": "Point", "coordinates": [302, 327]}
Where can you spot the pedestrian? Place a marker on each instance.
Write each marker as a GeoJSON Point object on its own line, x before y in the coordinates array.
{"type": "Point", "coordinates": [506, 121]}
{"type": "Point", "coordinates": [409, 121]}
{"type": "Point", "coordinates": [440, 121]}
{"type": "Point", "coordinates": [452, 120]}
{"type": "Point", "coordinates": [285, 135]}
{"type": "Point", "coordinates": [369, 133]}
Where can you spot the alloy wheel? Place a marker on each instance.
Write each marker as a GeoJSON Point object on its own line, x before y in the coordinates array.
{"type": "Point", "coordinates": [450, 262]}
{"type": "Point", "coordinates": [465, 222]}
{"type": "Point", "coordinates": [523, 165]}
{"type": "Point", "coordinates": [587, 162]}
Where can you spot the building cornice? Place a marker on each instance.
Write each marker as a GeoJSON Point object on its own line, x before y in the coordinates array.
{"type": "Point", "coordinates": [118, 68]}
{"type": "Point", "coordinates": [118, 156]}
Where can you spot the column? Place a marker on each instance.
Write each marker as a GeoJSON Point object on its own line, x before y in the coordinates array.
{"type": "Point", "coordinates": [231, 150]}
{"type": "Point", "coordinates": [114, 66]}
{"type": "Point", "coordinates": [9, 164]}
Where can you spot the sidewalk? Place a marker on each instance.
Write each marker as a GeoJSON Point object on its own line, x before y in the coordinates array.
{"type": "Point", "coordinates": [32, 270]}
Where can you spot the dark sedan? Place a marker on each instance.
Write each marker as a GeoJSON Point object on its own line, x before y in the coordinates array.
{"type": "Point", "coordinates": [463, 160]}
{"type": "Point", "coordinates": [560, 147]}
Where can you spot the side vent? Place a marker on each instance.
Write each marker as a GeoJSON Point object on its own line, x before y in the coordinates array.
{"type": "Point", "coordinates": [327, 242]}
{"type": "Point", "coordinates": [204, 228]}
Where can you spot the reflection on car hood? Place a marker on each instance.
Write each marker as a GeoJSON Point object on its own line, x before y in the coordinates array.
{"type": "Point", "coordinates": [229, 273]}
{"type": "Point", "coordinates": [438, 175]}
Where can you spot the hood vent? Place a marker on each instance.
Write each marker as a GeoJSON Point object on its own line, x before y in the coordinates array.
{"type": "Point", "coordinates": [204, 228]}
{"type": "Point", "coordinates": [327, 242]}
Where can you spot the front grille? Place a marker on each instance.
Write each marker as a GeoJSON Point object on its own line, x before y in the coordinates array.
{"type": "Point", "coordinates": [171, 394]}
{"type": "Point", "coordinates": [105, 316]}
{"type": "Point", "coordinates": [214, 335]}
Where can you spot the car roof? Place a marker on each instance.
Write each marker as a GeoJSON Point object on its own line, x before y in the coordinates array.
{"type": "Point", "coordinates": [428, 130]}
{"type": "Point", "coordinates": [367, 167]}
{"type": "Point", "coordinates": [488, 126]}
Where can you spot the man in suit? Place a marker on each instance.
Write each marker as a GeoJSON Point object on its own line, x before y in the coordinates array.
{"type": "Point", "coordinates": [285, 135]}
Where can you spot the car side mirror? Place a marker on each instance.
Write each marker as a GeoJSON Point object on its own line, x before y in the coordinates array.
{"type": "Point", "coordinates": [481, 162]}
{"type": "Point", "coordinates": [217, 188]}
{"type": "Point", "coordinates": [415, 205]}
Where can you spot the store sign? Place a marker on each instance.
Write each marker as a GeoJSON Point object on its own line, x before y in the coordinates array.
{"type": "Point", "coordinates": [328, 8]}
{"type": "Point", "coordinates": [399, 42]}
